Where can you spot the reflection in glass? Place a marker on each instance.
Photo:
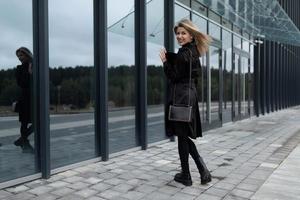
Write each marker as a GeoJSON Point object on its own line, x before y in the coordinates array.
{"type": "Point", "coordinates": [236, 85]}
{"type": "Point", "coordinates": [156, 81]}
{"type": "Point", "coordinates": [121, 75]}
{"type": "Point", "coordinates": [17, 157]}
{"type": "Point", "coordinates": [214, 83]}
{"type": "Point", "coordinates": [180, 13]}
{"type": "Point", "coordinates": [243, 91]}
{"type": "Point", "coordinates": [201, 23]}
{"type": "Point", "coordinates": [214, 31]}
{"type": "Point", "coordinates": [251, 80]}
{"type": "Point", "coordinates": [71, 81]}
{"type": "Point", "coordinates": [227, 75]}
{"type": "Point", "coordinates": [237, 42]}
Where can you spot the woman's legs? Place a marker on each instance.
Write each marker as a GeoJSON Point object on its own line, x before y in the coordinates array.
{"type": "Point", "coordinates": [183, 149]}
{"type": "Point", "coordinates": [204, 172]}
{"type": "Point", "coordinates": [23, 140]}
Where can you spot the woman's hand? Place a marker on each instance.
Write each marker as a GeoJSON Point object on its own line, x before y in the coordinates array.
{"type": "Point", "coordinates": [162, 55]}
{"type": "Point", "coordinates": [30, 68]}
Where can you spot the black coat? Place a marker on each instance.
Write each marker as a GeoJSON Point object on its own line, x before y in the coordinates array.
{"type": "Point", "coordinates": [177, 71]}
{"type": "Point", "coordinates": [24, 78]}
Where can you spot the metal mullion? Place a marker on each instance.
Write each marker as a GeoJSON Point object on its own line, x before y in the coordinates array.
{"type": "Point", "coordinates": [101, 71]}
{"type": "Point", "coordinates": [41, 79]}
{"type": "Point", "coordinates": [168, 36]}
{"type": "Point", "coordinates": [141, 73]}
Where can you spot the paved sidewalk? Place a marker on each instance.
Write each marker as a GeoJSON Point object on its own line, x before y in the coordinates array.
{"type": "Point", "coordinates": [244, 157]}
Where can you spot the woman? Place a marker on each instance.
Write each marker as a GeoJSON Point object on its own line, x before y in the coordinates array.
{"type": "Point", "coordinates": [24, 77]}
{"type": "Point", "coordinates": [177, 70]}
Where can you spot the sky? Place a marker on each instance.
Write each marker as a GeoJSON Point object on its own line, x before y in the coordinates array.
{"type": "Point", "coordinates": [71, 32]}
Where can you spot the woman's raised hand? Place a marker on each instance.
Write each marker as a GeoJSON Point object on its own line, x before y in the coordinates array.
{"type": "Point", "coordinates": [162, 55]}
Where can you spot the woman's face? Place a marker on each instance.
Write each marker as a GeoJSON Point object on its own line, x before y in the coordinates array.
{"type": "Point", "coordinates": [183, 36]}
{"type": "Point", "coordinates": [22, 57]}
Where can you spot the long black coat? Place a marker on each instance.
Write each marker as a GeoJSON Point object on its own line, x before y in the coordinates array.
{"type": "Point", "coordinates": [177, 71]}
{"type": "Point", "coordinates": [23, 78]}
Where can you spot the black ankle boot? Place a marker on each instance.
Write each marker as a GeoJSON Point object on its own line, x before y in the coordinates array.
{"type": "Point", "coordinates": [19, 142]}
{"type": "Point", "coordinates": [204, 172]}
{"type": "Point", "coordinates": [26, 147]}
{"type": "Point", "coordinates": [184, 178]}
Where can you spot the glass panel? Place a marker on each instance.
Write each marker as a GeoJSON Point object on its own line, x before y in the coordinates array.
{"type": "Point", "coordinates": [214, 31]}
{"type": "Point", "coordinates": [237, 42]}
{"type": "Point", "coordinates": [185, 2]}
{"type": "Point", "coordinates": [196, 6]}
{"type": "Point", "coordinates": [245, 45]}
{"type": "Point", "coordinates": [236, 85]}
{"type": "Point", "coordinates": [201, 23]}
{"type": "Point", "coordinates": [16, 84]}
{"type": "Point", "coordinates": [180, 13]}
{"type": "Point", "coordinates": [214, 83]}
{"type": "Point", "coordinates": [251, 80]}
{"type": "Point", "coordinates": [71, 81]}
{"type": "Point", "coordinates": [121, 75]}
{"type": "Point", "coordinates": [243, 92]}
{"type": "Point", "coordinates": [156, 81]}
{"type": "Point", "coordinates": [261, 18]}
{"type": "Point", "coordinates": [227, 74]}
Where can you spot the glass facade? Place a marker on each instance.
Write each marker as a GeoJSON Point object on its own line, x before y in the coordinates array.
{"type": "Point", "coordinates": [155, 79]}
{"type": "Point", "coordinates": [16, 85]}
{"type": "Point", "coordinates": [226, 85]}
{"type": "Point", "coordinates": [72, 82]}
{"type": "Point", "coordinates": [227, 75]}
{"type": "Point", "coordinates": [121, 76]}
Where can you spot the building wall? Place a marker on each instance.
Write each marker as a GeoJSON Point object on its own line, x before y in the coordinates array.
{"type": "Point", "coordinates": [98, 87]}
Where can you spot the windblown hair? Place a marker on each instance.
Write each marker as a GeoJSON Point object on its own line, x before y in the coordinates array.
{"type": "Point", "coordinates": [202, 40]}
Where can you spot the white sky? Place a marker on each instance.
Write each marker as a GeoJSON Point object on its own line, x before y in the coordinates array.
{"type": "Point", "coordinates": [70, 33]}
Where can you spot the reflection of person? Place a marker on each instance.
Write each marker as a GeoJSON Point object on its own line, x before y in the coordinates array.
{"type": "Point", "coordinates": [177, 70]}
{"type": "Point", "coordinates": [24, 77]}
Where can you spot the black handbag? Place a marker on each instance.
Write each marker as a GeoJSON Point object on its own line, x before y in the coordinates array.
{"type": "Point", "coordinates": [181, 112]}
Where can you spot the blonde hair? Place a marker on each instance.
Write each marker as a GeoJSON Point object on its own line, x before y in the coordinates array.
{"type": "Point", "coordinates": [202, 40]}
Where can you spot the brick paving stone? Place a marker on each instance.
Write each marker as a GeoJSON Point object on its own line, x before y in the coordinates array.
{"type": "Point", "coordinates": [181, 195]}
{"type": "Point", "coordinates": [101, 187]}
{"type": "Point", "coordinates": [114, 181]}
{"type": "Point", "coordinates": [169, 189]}
{"type": "Point", "coordinates": [224, 185]}
{"type": "Point", "coordinates": [86, 192]}
{"type": "Point", "coordinates": [78, 185]}
{"type": "Point", "coordinates": [22, 196]}
{"type": "Point", "coordinates": [241, 193]}
{"type": "Point", "coordinates": [146, 188]}
{"type": "Point", "coordinates": [157, 196]}
{"type": "Point", "coordinates": [248, 187]}
{"type": "Point", "coordinates": [4, 194]}
{"type": "Point", "coordinates": [95, 198]}
{"type": "Point", "coordinates": [71, 197]}
{"type": "Point", "coordinates": [40, 190]}
{"type": "Point", "coordinates": [216, 192]}
{"type": "Point", "coordinates": [73, 179]}
{"type": "Point", "coordinates": [63, 191]}
{"type": "Point", "coordinates": [46, 197]}
{"type": "Point", "coordinates": [17, 189]}
{"type": "Point", "coordinates": [208, 197]}
{"type": "Point", "coordinates": [196, 191]}
{"type": "Point", "coordinates": [58, 184]}
{"type": "Point", "coordinates": [134, 195]}
{"type": "Point", "coordinates": [123, 187]}
{"type": "Point", "coordinates": [109, 194]}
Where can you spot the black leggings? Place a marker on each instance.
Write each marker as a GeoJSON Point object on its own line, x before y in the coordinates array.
{"type": "Point", "coordinates": [25, 130]}
{"type": "Point", "coordinates": [185, 147]}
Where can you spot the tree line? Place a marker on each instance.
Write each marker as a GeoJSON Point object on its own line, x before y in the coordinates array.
{"type": "Point", "coordinates": [76, 86]}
